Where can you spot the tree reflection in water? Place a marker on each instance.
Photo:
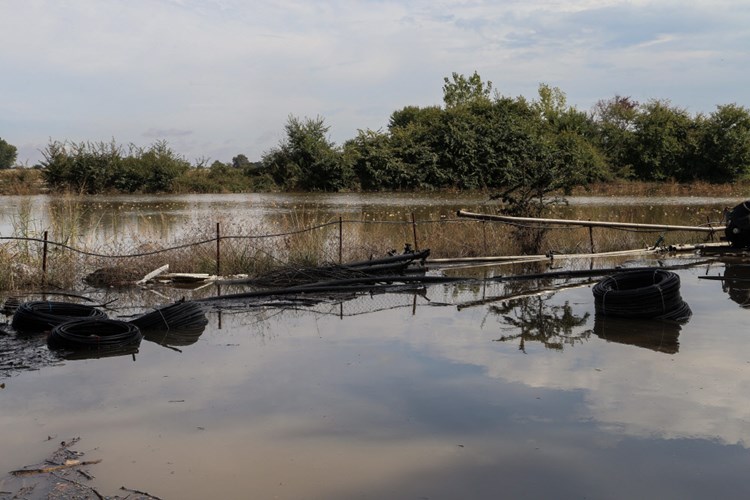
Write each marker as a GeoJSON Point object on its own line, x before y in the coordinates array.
{"type": "Point", "coordinates": [535, 319]}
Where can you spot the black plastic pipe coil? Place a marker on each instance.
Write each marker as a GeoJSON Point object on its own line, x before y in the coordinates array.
{"type": "Point", "coordinates": [94, 334]}
{"type": "Point", "coordinates": [41, 316]}
{"type": "Point", "coordinates": [185, 316]}
{"type": "Point", "coordinates": [641, 294]}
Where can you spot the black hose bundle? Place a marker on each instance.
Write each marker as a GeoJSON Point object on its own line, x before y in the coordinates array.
{"type": "Point", "coordinates": [41, 316]}
{"type": "Point", "coordinates": [652, 293]}
{"type": "Point", "coordinates": [738, 225]}
{"type": "Point", "coordinates": [182, 316]}
{"type": "Point", "coordinates": [94, 334]}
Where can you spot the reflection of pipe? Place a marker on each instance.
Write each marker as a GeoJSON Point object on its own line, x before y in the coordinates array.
{"type": "Point", "coordinates": [131, 350]}
{"type": "Point", "coordinates": [659, 336]}
{"type": "Point", "coordinates": [178, 337]}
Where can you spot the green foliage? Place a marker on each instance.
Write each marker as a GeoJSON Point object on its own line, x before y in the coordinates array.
{"type": "Point", "coordinates": [306, 159]}
{"type": "Point", "coordinates": [526, 152]}
{"type": "Point", "coordinates": [462, 90]}
{"type": "Point", "coordinates": [240, 161]}
{"type": "Point", "coordinates": [663, 142]}
{"type": "Point", "coordinates": [8, 154]}
{"type": "Point", "coordinates": [100, 167]}
{"type": "Point", "coordinates": [725, 144]}
{"type": "Point", "coordinates": [615, 124]}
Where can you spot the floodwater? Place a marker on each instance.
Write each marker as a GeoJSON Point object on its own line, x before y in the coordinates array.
{"type": "Point", "coordinates": [443, 392]}
{"type": "Point", "coordinates": [110, 217]}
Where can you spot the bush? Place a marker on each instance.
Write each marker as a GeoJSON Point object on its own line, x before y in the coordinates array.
{"type": "Point", "coordinates": [100, 167]}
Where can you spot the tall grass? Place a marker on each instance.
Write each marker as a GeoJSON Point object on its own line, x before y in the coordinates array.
{"type": "Point", "coordinates": [295, 239]}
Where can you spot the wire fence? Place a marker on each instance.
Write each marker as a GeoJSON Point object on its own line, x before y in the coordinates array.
{"type": "Point", "coordinates": [40, 259]}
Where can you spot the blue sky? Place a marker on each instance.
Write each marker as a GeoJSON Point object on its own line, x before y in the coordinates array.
{"type": "Point", "coordinates": [216, 78]}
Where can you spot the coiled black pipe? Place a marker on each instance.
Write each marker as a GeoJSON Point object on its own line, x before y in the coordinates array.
{"type": "Point", "coordinates": [184, 316]}
{"type": "Point", "coordinates": [41, 316]}
{"type": "Point", "coordinates": [641, 294]}
{"type": "Point", "coordinates": [738, 225]}
{"type": "Point", "coordinates": [94, 334]}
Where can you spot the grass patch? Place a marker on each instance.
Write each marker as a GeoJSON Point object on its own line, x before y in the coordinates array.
{"type": "Point", "coordinates": [296, 239]}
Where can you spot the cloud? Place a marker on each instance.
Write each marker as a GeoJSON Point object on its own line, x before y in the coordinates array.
{"type": "Point", "coordinates": [169, 132]}
{"type": "Point", "coordinates": [233, 71]}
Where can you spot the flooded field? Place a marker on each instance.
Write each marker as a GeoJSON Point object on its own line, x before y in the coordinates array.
{"type": "Point", "coordinates": [482, 389]}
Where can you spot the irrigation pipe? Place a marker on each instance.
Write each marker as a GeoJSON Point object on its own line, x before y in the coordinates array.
{"type": "Point", "coordinates": [40, 316]}
{"type": "Point", "coordinates": [336, 286]}
{"type": "Point", "coordinates": [87, 334]}
{"type": "Point", "coordinates": [561, 256]}
{"type": "Point", "coordinates": [375, 283]}
{"type": "Point", "coordinates": [584, 223]}
{"type": "Point", "coordinates": [651, 293]}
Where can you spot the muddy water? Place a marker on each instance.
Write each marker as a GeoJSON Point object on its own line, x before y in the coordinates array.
{"type": "Point", "coordinates": [110, 218]}
{"type": "Point", "coordinates": [442, 393]}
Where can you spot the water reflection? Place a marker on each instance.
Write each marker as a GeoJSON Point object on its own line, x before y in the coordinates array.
{"type": "Point", "coordinates": [659, 336]}
{"type": "Point", "coordinates": [115, 352]}
{"type": "Point", "coordinates": [391, 396]}
{"type": "Point", "coordinates": [535, 319]}
{"type": "Point", "coordinates": [179, 337]}
{"type": "Point", "coordinates": [736, 283]}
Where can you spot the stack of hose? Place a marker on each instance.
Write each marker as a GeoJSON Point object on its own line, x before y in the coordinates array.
{"type": "Point", "coordinates": [185, 317]}
{"type": "Point", "coordinates": [41, 316]}
{"type": "Point", "coordinates": [738, 225]}
{"type": "Point", "coordinates": [652, 293]}
{"type": "Point", "coordinates": [94, 335]}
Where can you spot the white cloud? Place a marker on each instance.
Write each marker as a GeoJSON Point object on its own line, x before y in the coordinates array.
{"type": "Point", "coordinates": [233, 71]}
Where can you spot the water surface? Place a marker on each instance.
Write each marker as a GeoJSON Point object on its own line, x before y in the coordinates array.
{"type": "Point", "coordinates": [443, 392]}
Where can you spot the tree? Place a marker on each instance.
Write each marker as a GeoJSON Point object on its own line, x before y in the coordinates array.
{"type": "Point", "coordinates": [463, 90]}
{"type": "Point", "coordinates": [615, 122]}
{"type": "Point", "coordinates": [552, 102]}
{"type": "Point", "coordinates": [8, 154]}
{"type": "Point", "coordinates": [306, 159]}
{"type": "Point", "coordinates": [240, 161]}
{"type": "Point", "coordinates": [664, 142]}
{"type": "Point", "coordinates": [725, 144]}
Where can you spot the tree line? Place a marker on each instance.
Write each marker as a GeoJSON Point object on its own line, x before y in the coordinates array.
{"type": "Point", "coordinates": [520, 149]}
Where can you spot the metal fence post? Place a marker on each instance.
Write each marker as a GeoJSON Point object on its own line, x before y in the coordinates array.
{"type": "Point", "coordinates": [341, 239]}
{"type": "Point", "coordinates": [44, 259]}
{"type": "Point", "coordinates": [414, 230]}
{"type": "Point", "coordinates": [218, 249]}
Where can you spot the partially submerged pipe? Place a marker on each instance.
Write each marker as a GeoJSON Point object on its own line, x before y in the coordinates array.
{"type": "Point", "coordinates": [589, 223]}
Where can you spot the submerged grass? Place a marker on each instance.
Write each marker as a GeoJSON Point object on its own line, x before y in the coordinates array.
{"type": "Point", "coordinates": [294, 239]}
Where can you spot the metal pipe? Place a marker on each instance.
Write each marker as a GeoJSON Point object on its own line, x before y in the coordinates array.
{"type": "Point", "coordinates": [589, 223]}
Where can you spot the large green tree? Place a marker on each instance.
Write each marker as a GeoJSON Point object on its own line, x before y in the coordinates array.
{"type": "Point", "coordinates": [8, 154]}
{"type": "Point", "coordinates": [725, 144]}
{"type": "Point", "coordinates": [615, 124]}
{"type": "Point", "coordinates": [306, 159]}
{"type": "Point", "coordinates": [664, 142]}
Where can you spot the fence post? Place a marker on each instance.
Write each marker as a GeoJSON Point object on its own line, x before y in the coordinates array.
{"type": "Point", "coordinates": [341, 239]}
{"type": "Point", "coordinates": [484, 237]}
{"type": "Point", "coordinates": [44, 260]}
{"type": "Point", "coordinates": [591, 238]}
{"type": "Point", "coordinates": [414, 230]}
{"type": "Point", "coordinates": [218, 249]}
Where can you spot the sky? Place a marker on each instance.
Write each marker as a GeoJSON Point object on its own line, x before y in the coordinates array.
{"type": "Point", "coordinates": [216, 78]}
